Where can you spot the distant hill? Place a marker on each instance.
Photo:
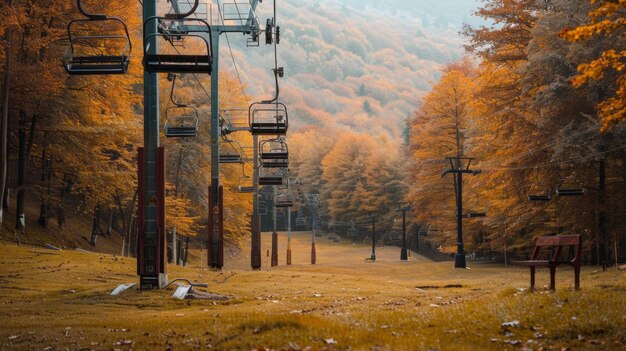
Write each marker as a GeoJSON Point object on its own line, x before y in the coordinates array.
{"type": "Point", "coordinates": [354, 64]}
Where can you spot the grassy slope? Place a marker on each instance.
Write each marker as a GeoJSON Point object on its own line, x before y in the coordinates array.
{"type": "Point", "coordinates": [60, 299]}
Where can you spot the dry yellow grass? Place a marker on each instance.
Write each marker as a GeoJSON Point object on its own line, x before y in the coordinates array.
{"type": "Point", "coordinates": [60, 299]}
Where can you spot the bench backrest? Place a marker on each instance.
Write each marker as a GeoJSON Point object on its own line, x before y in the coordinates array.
{"type": "Point", "coordinates": [559, 241]}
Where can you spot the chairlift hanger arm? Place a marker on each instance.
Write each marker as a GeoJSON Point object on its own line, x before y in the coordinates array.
{"type": "Point", "coordinates": [89, 15]}
{"type": "Point", "coordinates": [178, 16]}
{"type": "Point", "coordinates": [172, 93]}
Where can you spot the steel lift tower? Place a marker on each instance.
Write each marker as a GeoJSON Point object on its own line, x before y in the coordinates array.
{"type": "Point", "coordinates": [151, 242]}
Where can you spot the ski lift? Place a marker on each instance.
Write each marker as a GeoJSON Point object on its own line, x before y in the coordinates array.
{"type": "Point", "coordinates": [561, 191]}
{"type": "Point", "coordinates": [283, 201]}
{"type": "Point", "coordinates": [540, 197]}
{"type": "Point", "coordinates": [271, 179]}
{"type": "Point", "coordinates": [245, 188]}
{"type": "Point", "coordinates": [273, 153]}
{"type": "Point", "coordinates": [268, 118]}
{"type": "Point", "coordinates": [90, 53]}
{"type": "Point", "coordinates": [230, 158]}
{"type": "Point", "coordinates": [188, 28]}
{"type": "Point", "coordinates": [262, 209]}
{"type": "Point", "coordinates": [182, 125]}
{"type": "Point", "coordinates": [547, 196]}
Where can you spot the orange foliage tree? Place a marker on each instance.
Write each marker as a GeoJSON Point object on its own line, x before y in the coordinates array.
{"type": "Point", "coordinates": [607, 20]}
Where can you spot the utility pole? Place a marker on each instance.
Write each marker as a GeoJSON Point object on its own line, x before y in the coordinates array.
{"type": "Point", "coordinates": [288, 236]}
{"type": "Point", "coordinates": [313, 203]}
{"type": "Point", "coordinates": [373, 257]}
{"type": "Point", "coordinates": [404, 253]}
{"type": "Point", "coordinates": [151, 241]}
{"type": "Point", "coordinates": [274, 233]}
{"type": "Point", "coordinates": [458, 168]}
{"type": "Point", "coordinates": [255, 255]}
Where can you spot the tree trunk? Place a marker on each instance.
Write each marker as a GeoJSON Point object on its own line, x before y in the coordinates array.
{"type": "Point", "coordinates": [95, 228]}
{"type": "Point", "coordinates": [110, 226]}
{"type": "Point", "coordinates": [602, 215]}
{"type": "Point", "coordinates": [44, 157]}
{"type": "Point", "coordinates": [5, 118]}
{"type": "Point", "coordinates": [20, 219]}
{"type": "Point", "coordinates": [43, 214]}
{"type": "Point", "coordinates": [31, 134]}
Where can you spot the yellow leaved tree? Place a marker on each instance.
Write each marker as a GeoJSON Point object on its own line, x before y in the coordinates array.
{"type": "Point", "coordinates": [607, 20]}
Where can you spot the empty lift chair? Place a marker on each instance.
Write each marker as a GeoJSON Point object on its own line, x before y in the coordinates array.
{"type": "Point", "coordinates": [273, 153]}
{"type": "Point", "coordinates": [172, 60]}
{"type": "Point", "coordinates": [283, 201]}
{"type": "Point", "coordinates": [181, 121]}
{"type": "Point", "coordinates": [540, 197]}
{"type": "Point", "coordinates": [268, 118]}
{"type": "Point", "coordinates": [270, 177]}
{"type": "Point", "coordinates": [570, 191]}
{"type": "Point", "coordinates": [94, 48]}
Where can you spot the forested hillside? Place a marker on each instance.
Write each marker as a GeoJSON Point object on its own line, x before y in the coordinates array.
{"type": "Point", "coordinates": [76, 137]}
{"type": "Point", "coordinates": [379, 94]}
{"type": "Point", "coordinates": [542, 115]}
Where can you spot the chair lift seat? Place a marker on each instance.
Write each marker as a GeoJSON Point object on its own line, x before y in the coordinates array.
{"type": "Point", "coordinates": [85, 65]}
{"type": "Point", "coordinates": [282, 155]}
{"type": "Point", "coordinates": [270, 180]}
{"type": "Point", "coordinates": [181, 132]}
{"type": "Point", "coordinates": [246, 189]}
{"type": "Point", "coordinates": [229, 158]}
{"type": "Point", "coordinates": [258, 128]}
{"type": "Point", "coordinates": [275, 164]}
{"type": "Point", "coordinates": [570, 192]}
{"type": "Point", "coordinates": [539, 197]}
{"type": "Point", "coordinates": [283, 203]}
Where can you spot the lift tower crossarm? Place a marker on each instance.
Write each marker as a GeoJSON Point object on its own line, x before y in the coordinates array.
{"type": "Point", "coordinates": [246, 28]}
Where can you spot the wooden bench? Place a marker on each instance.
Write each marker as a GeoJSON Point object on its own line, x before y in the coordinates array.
{"type": "Point", "coordinates": [556, 243]}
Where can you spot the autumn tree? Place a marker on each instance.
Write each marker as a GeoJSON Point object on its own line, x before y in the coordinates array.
{"type": "Point", "coordinates": [607, 23]}
{"type": "Point", "coordinates": [439, 129]}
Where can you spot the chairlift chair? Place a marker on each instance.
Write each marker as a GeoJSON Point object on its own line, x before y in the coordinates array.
{"type": "Point", "coordinates": [268, 118]}
{"type": "Point", "coordinates": [540, 197]}
{"type": "Point", "coordinates": [185, 125]}
{"type": "Point", "coordinates": [177, 62]}
{"type": "Point", "coordinates": [91, 54]}
{"type": "Point", "coordinates": [570, 191]}
{"type": "Point", "coordinates": [273, 154]}
{"type": "Point", "coordinates": [245, 187]}
{"type": "Point", "coordinates": [230, 158]}
{"type": "Point", "coordinates": [262, 209]}
{"type": "Point", "coordinates": [284, 201]}
{"type": "Point", "coordinates": [301, 222]}
{"type": "Point", "coordinates": [271, 180]}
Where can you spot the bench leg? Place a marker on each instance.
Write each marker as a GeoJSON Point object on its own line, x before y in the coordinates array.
{"type": "Point", "coordinates": [552, 278]}
{"type": "Point", "coordinates": [532, 279]}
